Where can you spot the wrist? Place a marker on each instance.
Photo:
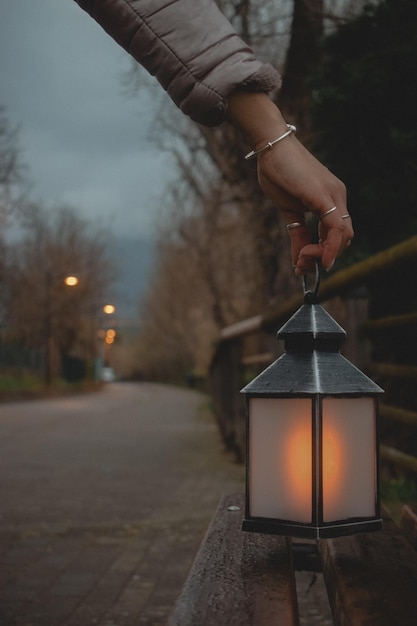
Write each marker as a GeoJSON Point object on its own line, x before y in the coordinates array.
{"type": "Point", "coordinates": [256, 116]}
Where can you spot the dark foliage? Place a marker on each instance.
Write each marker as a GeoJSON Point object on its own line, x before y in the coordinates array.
{"type": "Point", "coordinates": [365, 114]}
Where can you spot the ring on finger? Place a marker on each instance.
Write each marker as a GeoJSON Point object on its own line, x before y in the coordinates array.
{"type": "Point", "coordinates": [334, 208]}
{"type": "Point", "coordinates": [294, 225]}
{"type": "Point", "coordinates": [346, 217]}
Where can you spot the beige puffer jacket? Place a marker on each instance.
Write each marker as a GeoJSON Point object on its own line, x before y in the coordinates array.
{"type": "Point", "coordinates": [190, 47]}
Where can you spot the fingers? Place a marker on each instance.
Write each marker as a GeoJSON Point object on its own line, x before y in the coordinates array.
{"type": "Point", "coordinates": [297, 183]}
{"type": "Point", "coordinates": [309, 255]}
{"type": "Point", "coordinates": [336, 233]}
{"type": "Point", "coordinates": [294, 216]}
{"type": "Point", "coordinates": [299, 237]}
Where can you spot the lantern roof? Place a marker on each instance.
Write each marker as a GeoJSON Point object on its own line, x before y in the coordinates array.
{"type": "Point", "coordinates": [311, 363]}
{"type": "Point", "coordinates": [311, 320]}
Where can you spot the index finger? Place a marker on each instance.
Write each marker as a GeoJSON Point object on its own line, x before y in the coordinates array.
{"type": "Point", "coordinates": [298, 233]}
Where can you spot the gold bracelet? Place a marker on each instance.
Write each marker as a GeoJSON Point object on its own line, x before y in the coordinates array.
{"type": "Point", "coordinates": [270, 144]}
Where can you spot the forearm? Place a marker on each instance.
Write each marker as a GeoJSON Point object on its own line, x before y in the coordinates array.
{"type": "Point", "coordinates": [256, 116]}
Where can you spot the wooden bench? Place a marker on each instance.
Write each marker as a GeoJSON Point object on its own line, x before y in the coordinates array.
{"type": "Point", "coordinates": [248, 579]}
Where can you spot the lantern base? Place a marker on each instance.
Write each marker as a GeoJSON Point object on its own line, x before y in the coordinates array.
{"type": "Point", "coordinates": [272, 527]}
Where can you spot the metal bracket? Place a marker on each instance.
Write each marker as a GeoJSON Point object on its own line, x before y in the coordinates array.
{"type": "Point", "coordinates": [310, 296]}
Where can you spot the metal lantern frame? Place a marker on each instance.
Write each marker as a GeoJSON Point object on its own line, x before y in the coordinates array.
{"type": "Point", "coordinates": [313, 369]}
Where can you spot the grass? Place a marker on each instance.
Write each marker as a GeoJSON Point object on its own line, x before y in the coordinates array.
{"type": "Point", "coordinates": [24, 385]}
{"type": "Point", "coordinates": [20, 382]}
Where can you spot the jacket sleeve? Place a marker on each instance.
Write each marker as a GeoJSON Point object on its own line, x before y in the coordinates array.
{"type": "Point", "coordinates": [190, 47]}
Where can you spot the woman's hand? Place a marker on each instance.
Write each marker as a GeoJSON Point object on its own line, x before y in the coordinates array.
{"type": "Point", "coordinates": [295, 182]}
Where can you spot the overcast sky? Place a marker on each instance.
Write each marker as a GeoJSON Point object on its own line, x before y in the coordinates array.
{"type": "Point", "coordinates": [84, 141]}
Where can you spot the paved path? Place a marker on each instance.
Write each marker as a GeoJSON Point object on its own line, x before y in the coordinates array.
{"type": "Point", "coordinates": [104, 499]}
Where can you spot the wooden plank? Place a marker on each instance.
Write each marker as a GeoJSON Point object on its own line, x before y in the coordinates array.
{"type": "Point", "coordinates": [392, 370]}
{"type": "Point", "coordinates": [371, 579]}
{"type": "Point", "coordinates": [258, 359]}
{"type": "Point", "coordinates": [401, 459]}
{"type": "Point", "coordinates": [398, 414]}
{"type": "Point", "coordinates": [238, 578]}
{"type": "Point", "coordinates": [239, 329]}
{"type": "Point", "coordinates": [408, 523]}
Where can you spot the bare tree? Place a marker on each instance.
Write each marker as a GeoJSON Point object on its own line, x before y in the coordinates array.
{"type": "Point", "coordinates": [40, 309]}
{"type": "Point", "coordinates": [12, 170]}
{"type": "Point", "coordinates": [175, 327]}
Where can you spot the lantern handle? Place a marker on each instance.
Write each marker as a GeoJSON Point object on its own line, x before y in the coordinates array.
{"type": "Point", "coordinates": [310, 296]}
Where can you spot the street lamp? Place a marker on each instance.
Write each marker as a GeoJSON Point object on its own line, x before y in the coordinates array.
{"type": "Point", "coordinates": [69, 281]}
{"type": "Point", "coordinates": [106, 336]}
{"type": "Point", "coordinates": [109, 309]}
{"type": "Point", "coordinates": [312, 445]}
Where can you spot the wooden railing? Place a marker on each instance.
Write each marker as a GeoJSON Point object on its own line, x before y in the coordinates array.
{"type": "Point", "coordinates": [375, 301]}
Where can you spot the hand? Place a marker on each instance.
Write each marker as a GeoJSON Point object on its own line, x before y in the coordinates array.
{"type": "Point", "coordinates": [295, 182]}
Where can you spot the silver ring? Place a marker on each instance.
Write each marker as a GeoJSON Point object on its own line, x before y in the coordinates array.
{"type": "Point", "coordinates": [334, 208]}
{"type": "Point", "coordinates": [346, 217]}
{"type": "Point", "coordinates": [295, 225]}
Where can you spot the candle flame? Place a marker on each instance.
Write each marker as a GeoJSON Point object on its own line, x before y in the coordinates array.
{"type": "Point", "coordinates": [299, 457]}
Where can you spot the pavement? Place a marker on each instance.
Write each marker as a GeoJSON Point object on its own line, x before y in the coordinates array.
{"type": "Point", "coordinates": [105, 499]}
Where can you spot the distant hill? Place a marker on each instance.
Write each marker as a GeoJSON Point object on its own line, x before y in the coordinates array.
{"type": "Point", "coordinates": [133, 259]}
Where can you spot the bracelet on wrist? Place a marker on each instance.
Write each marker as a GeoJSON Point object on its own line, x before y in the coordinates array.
{"type": "Point", "coordinates": [270, 144]}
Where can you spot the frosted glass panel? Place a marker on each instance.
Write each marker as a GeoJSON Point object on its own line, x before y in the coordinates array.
{"type": "Point", "coordinates": [280, 460]}
{"type": "Point", "coordinates": [349, 472]}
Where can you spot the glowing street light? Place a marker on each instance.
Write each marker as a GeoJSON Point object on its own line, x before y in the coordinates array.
{"type": "Point", "coordinates": [110, 336]}
{"type": "Point", "coordinates": [50, 279]}
{"type": "Point", "coordinates": [71, 281]}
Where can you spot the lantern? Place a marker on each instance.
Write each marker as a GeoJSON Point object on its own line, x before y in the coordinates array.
{"type": "Point", "coordinates": [312, 436]}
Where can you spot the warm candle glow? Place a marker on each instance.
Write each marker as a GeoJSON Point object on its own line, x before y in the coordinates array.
{"type": "Point", "coordinates": [349, 472]}
{"type": "Point", "coordinates": [298, 463]}
{"type": "Point", "coordinates": [109, 309]}
{"type": "Point", "coordinates": [280, 449]}
{"type": "Point", "coordinates": [333, 465]}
